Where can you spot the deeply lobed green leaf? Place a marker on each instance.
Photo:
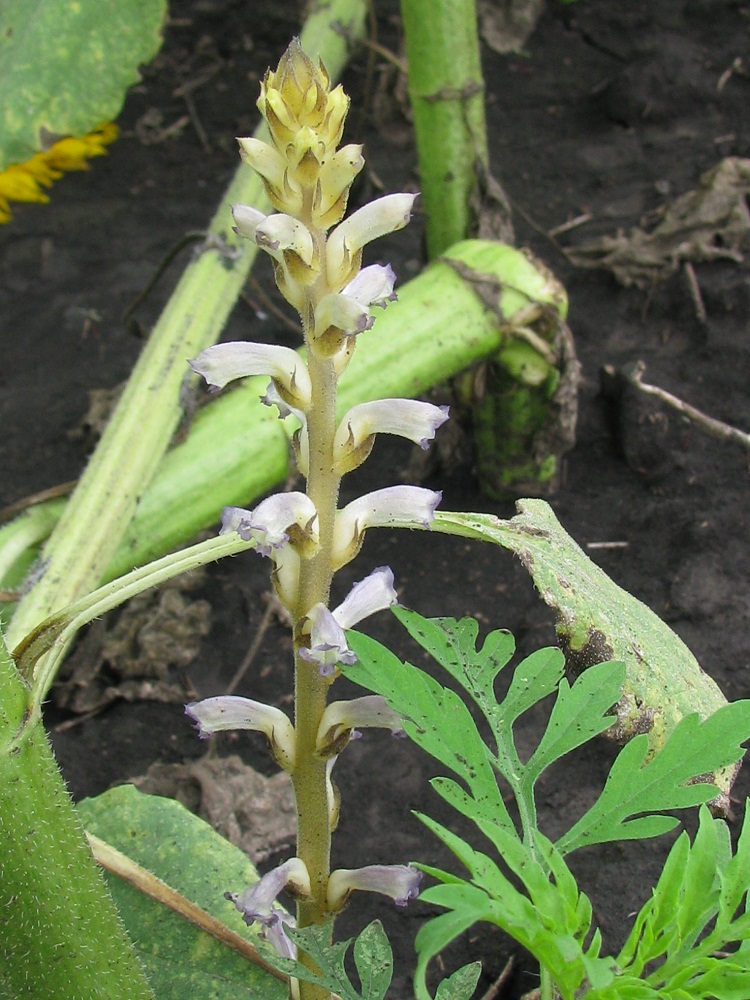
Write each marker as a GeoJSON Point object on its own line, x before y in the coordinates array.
{"type": "Point", "coordinates": [530, 891]}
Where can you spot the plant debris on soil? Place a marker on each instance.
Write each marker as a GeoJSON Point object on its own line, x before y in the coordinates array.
{"type": "Point", "coordinates": [614, 119]}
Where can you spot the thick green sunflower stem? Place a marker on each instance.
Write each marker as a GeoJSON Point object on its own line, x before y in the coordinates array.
{"type": "Point", "coordinates": [446, 91]}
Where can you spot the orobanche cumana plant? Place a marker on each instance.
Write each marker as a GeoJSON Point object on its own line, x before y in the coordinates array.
{"type": "Point", "coordinates": [635, 679]}
{"type": "Point", "coordinates": [690, 939]}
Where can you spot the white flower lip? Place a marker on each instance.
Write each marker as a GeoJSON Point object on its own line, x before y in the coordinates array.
{"type": "Point", "coordinates": [247, 219]}
{"type": "Point", "coordinates": [373, 286]}
{"type": "Point", "coordinates": [341, 719]}
{"type": "Point", "coordinates": [280, 232]}
{"type": "Point", "coordinates": [400, 882]}
{"type": "Point", "coordinates": [394, 506]}
{"type": "Point", "coordinates": [228, 712]}
{"type": "Point", "coordinates": [271, 524]}
{"type": "Point", "coordinates": [223, 363]}
{"type": "Point", "coordinates": [409, 418]}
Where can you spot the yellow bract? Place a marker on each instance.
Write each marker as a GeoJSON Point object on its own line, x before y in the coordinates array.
{"type": "Point", "coordinates": [27, 181]}
{"type": "Point", "coordinates": [302, 174]}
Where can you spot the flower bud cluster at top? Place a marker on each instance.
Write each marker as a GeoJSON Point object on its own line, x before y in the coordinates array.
{"type": "Point", "coordinates": [317, 261]}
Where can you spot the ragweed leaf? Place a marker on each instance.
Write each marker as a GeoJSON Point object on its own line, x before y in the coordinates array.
{"type": "Point", "coordinates": [529, 891]}
{"type": "Point", "coordinates": [636, 785]}
{"type": "Point", "coordinates": [373, 960]}
{"type": "Point", "coordinates": [681, 939]}
{"type": "Point", "coordinates": [437, 719]}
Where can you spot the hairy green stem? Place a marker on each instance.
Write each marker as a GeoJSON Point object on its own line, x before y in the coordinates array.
{"type": "Point", "coordinates": [60, 935]}
{"type": "Point", "coordinates": [39, 655]}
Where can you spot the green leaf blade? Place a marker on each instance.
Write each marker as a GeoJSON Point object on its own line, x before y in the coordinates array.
{"type": "Point", "coordinates": [183, 851]}
{"type": "Point", "coordinates": [65, 67]}
{"type": "Point", "coordinates": [639, 786]}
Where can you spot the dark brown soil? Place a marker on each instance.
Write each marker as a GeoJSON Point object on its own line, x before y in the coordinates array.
{"type": "Point", "coordinates": [613, 110]}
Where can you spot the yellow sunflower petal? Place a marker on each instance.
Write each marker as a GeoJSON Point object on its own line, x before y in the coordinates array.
{"type": "Point", "coordinates": [71, 153]}
{"type": "Point", "coordinates": [26, 181]}
{"type": "Point", "coordinates": [17, 184]}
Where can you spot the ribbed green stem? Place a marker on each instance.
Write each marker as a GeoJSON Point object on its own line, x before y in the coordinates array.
{"type": "Point", "coordinates": [446, 90]}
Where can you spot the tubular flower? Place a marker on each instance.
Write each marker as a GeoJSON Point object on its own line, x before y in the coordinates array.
{"type": "Point", "coordinates": [259, 903]}
{"type": "Point", "coordinates": [395, 506]}
{"type": "Point", "coordinates": [223, 363]}
{"type": "Point", "coordinates": [378, 218]}
{"type": "Point", "coordinates": [327, 640]}
{"type": "Point", "coordinates": [213, 715]}
{"type": "Point", "coordinates": [281, 518]}
{"type": "Point", "coordinates": [347, 313]}
{"type": "Point", "coordinates": [26, 181]}
{"type": "Point", "coordinates": [409, 418]}
{"type": "Point", "coordinates": [341, 721]}
{"type": "Point", "coordinates": [400, 882]}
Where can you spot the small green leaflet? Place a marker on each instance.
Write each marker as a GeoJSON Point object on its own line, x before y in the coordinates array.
{"type": "Point", "coordinates": [373, 960]}
{"type": "Point", "coordinates": [682, 939]}
{"type": "Point", "coordinates": [636, 785]}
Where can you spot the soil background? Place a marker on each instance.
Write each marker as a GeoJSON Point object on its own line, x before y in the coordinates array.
{"type": "Point", "coordinates": [612, 110]}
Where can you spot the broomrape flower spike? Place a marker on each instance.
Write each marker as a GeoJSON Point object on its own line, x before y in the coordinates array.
{"type": "Point", "coordinates": [317, 257]}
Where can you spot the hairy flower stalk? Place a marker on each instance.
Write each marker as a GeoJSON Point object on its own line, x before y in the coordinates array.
{"type": "Point", "coordinates": [307, 178]}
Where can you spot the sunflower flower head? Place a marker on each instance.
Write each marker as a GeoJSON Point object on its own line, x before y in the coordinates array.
{"type": "Point", "coordinates": [28, 181]}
